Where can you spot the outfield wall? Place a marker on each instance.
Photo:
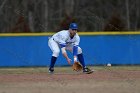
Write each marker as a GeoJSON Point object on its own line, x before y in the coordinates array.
{"type": "Point", "coordinates": [99, 48]}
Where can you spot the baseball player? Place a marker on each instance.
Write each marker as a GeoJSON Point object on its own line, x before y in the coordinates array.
{"type": "Point", "coordinates": [67, 40]}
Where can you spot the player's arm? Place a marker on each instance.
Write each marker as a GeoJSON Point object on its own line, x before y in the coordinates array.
{"type": "Point", "coordinates": [75, 51]}
{"type": "Point", "coordinates": [75, 48]}
{"type": "Point", "coordinates": [61, 40]}
{"type": "Point", "coordinates": [63, 49]}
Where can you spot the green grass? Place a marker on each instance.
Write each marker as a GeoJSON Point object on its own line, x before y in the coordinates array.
{"type": "Point", "coordinates": [32, 70]}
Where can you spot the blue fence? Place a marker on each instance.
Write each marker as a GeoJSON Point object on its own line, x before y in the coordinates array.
{"type": "Point", "coordinates": [97, 50]}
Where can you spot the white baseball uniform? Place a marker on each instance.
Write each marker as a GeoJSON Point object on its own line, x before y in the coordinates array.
{"type": "Point", "coordinates": [61, 39]}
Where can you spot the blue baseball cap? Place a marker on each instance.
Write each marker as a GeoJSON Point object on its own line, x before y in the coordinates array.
{"type": "Point", "coordinates": [73, 26]}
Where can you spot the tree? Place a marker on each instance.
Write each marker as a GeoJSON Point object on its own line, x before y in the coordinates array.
{"type": "Point", "coordinates": [47, 15]}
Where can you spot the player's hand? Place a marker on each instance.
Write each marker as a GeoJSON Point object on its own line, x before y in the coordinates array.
{"type": "Point", "coordinates": [69, 60]}
{"type": "Point", "coordinates": [75, 59]}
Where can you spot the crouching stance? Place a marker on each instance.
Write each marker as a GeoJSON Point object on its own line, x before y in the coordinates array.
{"type": "Point", "coordinates": [67, 40]}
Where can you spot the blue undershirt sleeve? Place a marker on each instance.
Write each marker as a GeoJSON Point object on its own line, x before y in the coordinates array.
{"type": "Point", "coordinates": [62, 45]}
{"type": "Point", "coordinates": [75, 50]}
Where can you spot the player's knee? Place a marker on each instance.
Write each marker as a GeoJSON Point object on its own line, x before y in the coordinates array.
{"type": "Point", "coordinates": [79, 50]}
{"type": "Point", "coordinates": [56, 53]}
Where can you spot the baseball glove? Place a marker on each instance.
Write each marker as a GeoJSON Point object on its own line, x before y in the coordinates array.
{"type": "Point", "coordinates": [77, 66]}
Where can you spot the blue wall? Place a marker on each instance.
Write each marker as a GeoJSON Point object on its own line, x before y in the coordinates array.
{"type": "Point", "coordinates": [97, 49]}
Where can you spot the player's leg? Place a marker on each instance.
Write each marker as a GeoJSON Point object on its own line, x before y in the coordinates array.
{"type": "Point", "coordinates": [55, 49]}
{"type": "Point", "coordinates": [82, 61]}
{"type": "Point", "coordinates": [80, 55]}
{"type": "Point", "coordinates": [80, 58]}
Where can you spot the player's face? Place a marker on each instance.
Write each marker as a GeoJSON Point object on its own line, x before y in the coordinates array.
{"type": "Point", "coordinates": [72, 32]}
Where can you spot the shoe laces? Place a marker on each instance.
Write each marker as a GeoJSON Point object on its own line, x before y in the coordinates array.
{"type": "Point", "coordinates": [51, 69]}
{"type": "Point", "coordinates": [87, 69]}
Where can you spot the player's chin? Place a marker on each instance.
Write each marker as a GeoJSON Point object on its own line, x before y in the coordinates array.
{"type": "Point", "coordinates": [72, 35]}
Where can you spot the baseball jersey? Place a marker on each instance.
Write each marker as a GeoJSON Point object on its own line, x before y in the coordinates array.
{"type": "Point", "coordinates": [63, 38]}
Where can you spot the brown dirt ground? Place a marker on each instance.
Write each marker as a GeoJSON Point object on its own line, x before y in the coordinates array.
{"type": "Point", "coordinates": [120, 81]}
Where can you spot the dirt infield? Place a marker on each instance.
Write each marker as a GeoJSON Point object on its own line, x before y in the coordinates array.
{"type": "Point", "coordinates": [65, 81]}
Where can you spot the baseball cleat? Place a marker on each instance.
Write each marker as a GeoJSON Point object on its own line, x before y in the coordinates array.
{"type": "Point", "coordinates": [51, 70]}
{"type": "Point", "coordinates": [87, 71]}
